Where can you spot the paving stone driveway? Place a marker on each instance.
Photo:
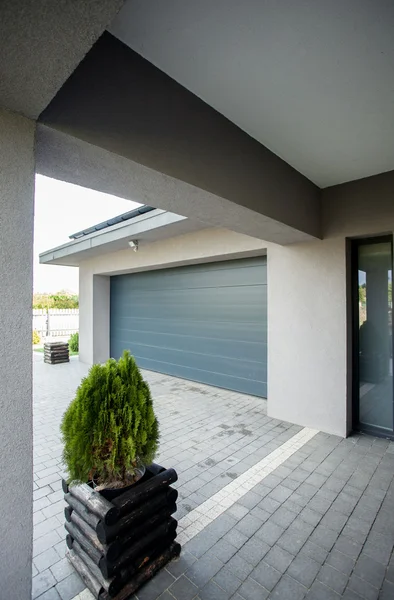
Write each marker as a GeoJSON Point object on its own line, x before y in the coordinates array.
{"type": "Point", "coordinates": [320, 526]}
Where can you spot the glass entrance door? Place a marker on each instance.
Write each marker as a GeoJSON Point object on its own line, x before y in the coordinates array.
{"type": "Point", "coordinates": [372, 301]}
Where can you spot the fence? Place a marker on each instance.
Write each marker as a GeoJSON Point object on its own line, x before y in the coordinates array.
{"type": "Point", "coordinates": [56, 321]}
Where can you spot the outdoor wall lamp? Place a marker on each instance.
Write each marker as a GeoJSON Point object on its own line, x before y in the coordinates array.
{"type": "Point", "coordinates": [134, 245]}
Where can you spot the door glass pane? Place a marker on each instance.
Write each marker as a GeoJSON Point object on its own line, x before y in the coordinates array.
{"type": "Point", "coordinates": [375, 343]}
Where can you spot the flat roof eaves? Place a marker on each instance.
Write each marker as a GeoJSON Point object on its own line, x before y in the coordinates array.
{"type": "Point", "coordinates": [131, 214]}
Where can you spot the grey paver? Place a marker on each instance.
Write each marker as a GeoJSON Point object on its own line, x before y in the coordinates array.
{"type": "Point", "coordinates": [156, 586]}
{"type": "Point", "coordinates": [332, 578]}
{"type": "Point", "coordinates": [199, 545]}
{"type": "Point", "coordinates": [178, 566]}
{"type": "Point", "coordinates": [310, 516]}
{"type": "Point", "coordinates": [379, 547]}
{"type": "Point", "coordinates": [41, 492]}
{"type": "Point", "coordinates": [316, 552]}
{"type": "Point", "coordinates": [235, 538]}
{"type": "Point", "coordinates": [227, 580]}
{"type": "Point", "coordinates": [319, 591]}
{"type": "Point", "coordinates": [370, 570]}
{"type": "Point", "coordinates": [61, 569]}
{"type": "Point", "coordinates": [240, 567]}
{"type": "Point", "coordinates": [387, 592]}
{"type": "Point", "coordinates": [254, 550]}
{"type": "Point", "coordinates": [304, 569]}
{"type": "Point", "coordinates": [238, 511]}
{"type": "Point", "coordinates": [283, 517]}
{"type": "Point", "coordinates": [44, 542]}
{"type": "Point", "coordinates": [350, 595]}
{"type": "Point", "coordinates": [363, 588]}
{"type": "Point", "coordinates": [204, 569]}
{"type": "Point", "coordinates": [223, 550]}
{"type": "Point", "coordinates": [324, 537]}
{"type": "Point", "coordinates": [46, 559]}
{"type": "Point", "coordinates": [266, 575]}
{"type": "Point", "coordinates": [355, 534]}
{"type": "Point", "coordinates": [348, 546]}
{"type": "Point", "coordinates": [38, 517]}
{"type": "Point", "coordinates": [42, 582]}
{"type": "Point", "coordinates": [334, 520]}
{"type": "Point", "coordinates": [269, 505]}
{"type": "Point", "coordinates": [280, 493]}
{"type": "Point", "coordinates": [51, 594]}
{"type": "Point", "coordinates": [249, 525]}
{"type": "Point", "coordinates": [289, 589]}
{"type": "Point", "coordinates": [292, 541]}
{"type": "Point", "coordinates": [270, 532]}
{"type": "Point", "coordinates": [250, 500]}
{"type": "Point", "coordinates": [182, 589]}
{"type": "Point", "coordinates": [47, 525]}
{"type": "Point", "coordinates": [319, 504]}
{"type": "Point", "coordinates": [211, 591]}
{"type": "Point", "coordinates": [278, 558]}
{"type": "Point", "coordinates": [341, 562]}
{"type": "Point", "coordinates": [69, 587]}
{"type": "Point", "coordinates": [251, 590]}
{"type": "Point", "coordinates": [41, 503]}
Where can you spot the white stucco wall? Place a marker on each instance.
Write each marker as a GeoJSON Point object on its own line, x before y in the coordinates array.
{"type": "Point", "coordinates": [16, 269]}
{"type": "Point", "coordinates": [309, 376]}
{"type": "Point", "coordinates": [101, 314]}
{"type": "Point", "coordinates": [85, 315]}
{"type": "Point", "coordinates": [307, 364]}
{"type": "Point", "coordinates": [201, 246]}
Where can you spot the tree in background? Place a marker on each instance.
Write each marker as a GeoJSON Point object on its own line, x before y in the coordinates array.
{"type": "Point", "coordinates": [362, 294]}
{"type": "Point", "coordinates": [61, 299]}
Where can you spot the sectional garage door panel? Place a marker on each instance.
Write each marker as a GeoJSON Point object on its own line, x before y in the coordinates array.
{"type": "Point", "coordinates": [205, 322]}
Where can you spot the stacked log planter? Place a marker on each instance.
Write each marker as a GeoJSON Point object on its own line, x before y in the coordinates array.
{"type": "Point", "coordinates": [56, 352]}
{"type": "Point", "coordinates": [117, 545]}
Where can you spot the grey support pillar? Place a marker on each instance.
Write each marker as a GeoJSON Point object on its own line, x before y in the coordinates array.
{"type": "Point", "coordinates": [16, 268]}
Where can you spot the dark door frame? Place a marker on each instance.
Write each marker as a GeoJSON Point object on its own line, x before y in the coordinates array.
{"type": "Point", "coordinates": [355, 395]}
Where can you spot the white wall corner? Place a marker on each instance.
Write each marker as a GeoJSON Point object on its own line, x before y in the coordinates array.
{"type": "Point", "coordinates": [94, 316]}
{"type": "Point", "coordinates": [307, 335]}
{"type": "Point", "coordinates": [101, 318]}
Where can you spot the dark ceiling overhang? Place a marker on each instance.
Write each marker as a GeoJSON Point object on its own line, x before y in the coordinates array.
{"type": "Point", "coordinates": [118, 101]}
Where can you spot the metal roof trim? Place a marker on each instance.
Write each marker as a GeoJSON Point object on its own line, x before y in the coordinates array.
{"type": "Point", "coordinates": [131, 214]}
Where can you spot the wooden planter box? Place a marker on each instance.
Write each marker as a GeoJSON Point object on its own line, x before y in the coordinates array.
{"type": "Point", "coordinates": [117, 546]}
{"type": "Point", "coordinates": [56, 352]}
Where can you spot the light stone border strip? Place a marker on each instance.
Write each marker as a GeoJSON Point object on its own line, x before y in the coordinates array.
{"type": "Point", "coordinates": [204, 514]}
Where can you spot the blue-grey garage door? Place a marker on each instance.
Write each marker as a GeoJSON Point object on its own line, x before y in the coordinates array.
{"type": "Point", "coordinates": [204, 322]}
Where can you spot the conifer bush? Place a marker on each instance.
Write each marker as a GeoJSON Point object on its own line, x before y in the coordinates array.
{"type": "Point", "coordinates": [73, 342]}
{"type": "Point", "coordinates": [110, 427]}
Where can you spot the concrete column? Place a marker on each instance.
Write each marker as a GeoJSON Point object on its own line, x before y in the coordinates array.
{"type": "Point", "coordinates": [307, 335]}
{"type": "Point", "coordinates": [16, 435]}
{"type": "Point", "coordinates": [94, 305]}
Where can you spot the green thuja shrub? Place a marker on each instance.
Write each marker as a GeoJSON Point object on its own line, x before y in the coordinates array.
{"type": "Point", "coordinates": [73, 342]}
{"type": "Point", "coordinates": [110, 427]}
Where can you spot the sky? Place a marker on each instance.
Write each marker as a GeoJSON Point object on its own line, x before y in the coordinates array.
{"type": "Point", "coordinates": [60, 210]}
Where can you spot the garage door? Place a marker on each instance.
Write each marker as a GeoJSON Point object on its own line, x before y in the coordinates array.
{"type": "Point", "coordinates": [206, 323]}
